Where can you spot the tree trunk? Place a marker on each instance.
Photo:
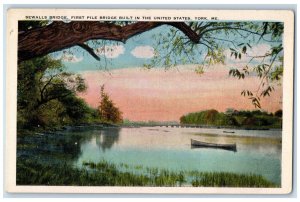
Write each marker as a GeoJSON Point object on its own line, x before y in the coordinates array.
{"type": "Point", "coordinates": [59, 35]}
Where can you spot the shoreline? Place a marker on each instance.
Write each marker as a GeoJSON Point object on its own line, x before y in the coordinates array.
{"type": "Point", "coordinates": [110, 125]}
{"type": "Point", "coordinates": [197, 126]}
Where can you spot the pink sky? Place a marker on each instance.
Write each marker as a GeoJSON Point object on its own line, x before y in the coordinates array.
{"type": "Point", "coordinates": [161, 95]}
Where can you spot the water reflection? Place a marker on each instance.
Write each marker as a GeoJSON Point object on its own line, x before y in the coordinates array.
{"type": "Point", "coordinates": [53, 147]}
{"type": "Point", "coordinates": [50, 148]}
{"type": "Point", "coordinates": [232, 149]}
{"type": "Point", "coordinates": [157, 148]}
{"type": "Point", "coordinates": [107, 138]}
{"type": "Point", "coordinates": [152, 147]}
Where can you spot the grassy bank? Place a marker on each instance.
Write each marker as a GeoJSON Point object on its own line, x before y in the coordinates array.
{"type": "Point", "coordinates": [107, 174]}
{"type": "Point", "coordinates": [224, 179]}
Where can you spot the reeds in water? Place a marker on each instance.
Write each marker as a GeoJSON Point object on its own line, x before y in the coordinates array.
{"type": "Point", "coordinates": [103, 173]}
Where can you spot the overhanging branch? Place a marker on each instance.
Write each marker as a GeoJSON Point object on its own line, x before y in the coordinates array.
{"type": "Point", "coordinates": [59, 35]}
{"type": "Point", "coordinates": [89, 50]}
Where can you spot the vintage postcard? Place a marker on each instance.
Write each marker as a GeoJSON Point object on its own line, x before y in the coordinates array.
{"type": "Point", "coordinates": [149, 101]}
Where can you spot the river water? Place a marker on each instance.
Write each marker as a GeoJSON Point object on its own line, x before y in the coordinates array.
{"type": "Point", "coordinates": [258, 152]}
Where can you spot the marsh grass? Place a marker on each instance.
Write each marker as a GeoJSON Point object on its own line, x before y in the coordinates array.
{"type": "Point", "coordinates": [225, 179]}
{"type": "Point", "coordinates": [103, 173]}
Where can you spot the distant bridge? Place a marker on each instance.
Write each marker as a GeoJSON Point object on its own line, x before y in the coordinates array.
{"type": "Point", "coordinates": [175, 125]}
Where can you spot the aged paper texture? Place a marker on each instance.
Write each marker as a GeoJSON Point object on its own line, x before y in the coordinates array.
{"type": "Point", "coordinates": [149, 101]}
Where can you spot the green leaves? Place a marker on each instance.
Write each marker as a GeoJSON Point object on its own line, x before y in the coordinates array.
{"type": "Point", "coordinates": [255, 101]}
{"type": "Point", "coordinates": [267, 91]}
{"type": "Point", "coordinates": [246, 93]}
{"type": "Point", "coordinates": [47, 94]}
{"type": "Point", "coordinates": [244, 50]}
{"type": "Point", "coordinates": [199, 70]}
{"type": "Point", "coordinates": [214, 57]}
{"type": "Point", "coordinates": [276, 50]}
{"type": "Point", "coordinates": [277, 73]}
{"type": "Point", "coordinates": [238, 37]}
{"type": "Point", "coordinates": [236, 73]}
{"type": "Point", "coordinates": [261, 69]}
{"type": "Point", "coordinates": [80, 84]}
{"type": "Point", "coordinates": [236, 53]}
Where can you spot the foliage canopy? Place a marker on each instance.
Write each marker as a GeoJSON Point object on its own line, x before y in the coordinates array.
{"type": "Point", "coordinates": [47, 94]}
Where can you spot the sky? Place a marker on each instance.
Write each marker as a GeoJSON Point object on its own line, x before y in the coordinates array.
{"type": "Point", "coordinates": [159, 94]}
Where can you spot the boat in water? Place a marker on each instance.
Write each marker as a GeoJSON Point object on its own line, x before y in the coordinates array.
{"type": "Point", "coordinates": [199, 144]}
{"type": "Point", "coordinates": [228, 131]}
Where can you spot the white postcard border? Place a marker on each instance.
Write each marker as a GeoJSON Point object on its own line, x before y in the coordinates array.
{"type": "Point", "coordinates": [287, 17]}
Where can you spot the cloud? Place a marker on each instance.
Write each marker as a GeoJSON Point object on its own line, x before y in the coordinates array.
{"type": "Point", "coordinates": [143, 52]}
{"type": "Point", "coordinates": [259, 50]}
{"type": "Point", "coordinates": [66, 57]}
{"type": "Point", "coordinates": [110, 51]}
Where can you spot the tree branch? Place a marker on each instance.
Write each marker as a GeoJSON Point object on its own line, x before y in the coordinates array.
{"type": "Point", "coordinates": [59, 35]}
{"type": "Point", "coordinates": [233, 28]}
{"type": "Point", "coordinates": [89, 50]}
{"type": "Point", "coordinates": [45, 86]}
{"type": "Point", "coordinates": [42, 102]}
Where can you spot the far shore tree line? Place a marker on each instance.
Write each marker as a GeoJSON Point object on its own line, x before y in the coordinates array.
{"type": "Point", "coordinates": [234, 118]}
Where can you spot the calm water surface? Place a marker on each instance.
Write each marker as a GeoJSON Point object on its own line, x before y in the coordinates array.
{"type": "Point", "coordinates": [258, 152]}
